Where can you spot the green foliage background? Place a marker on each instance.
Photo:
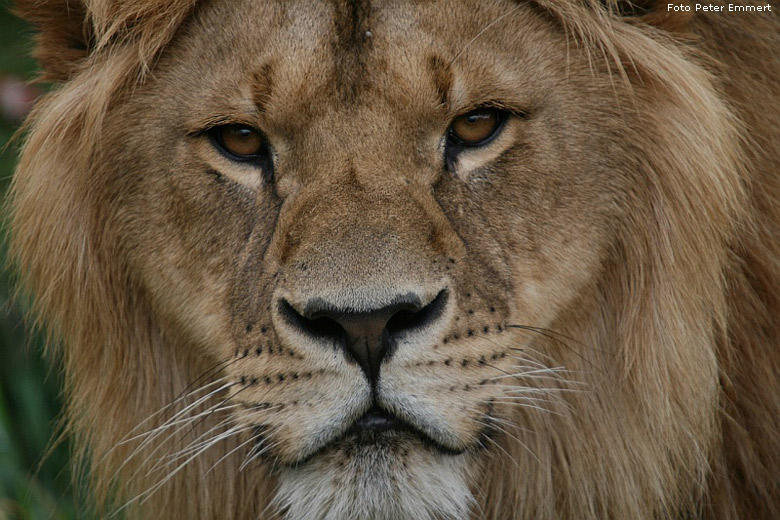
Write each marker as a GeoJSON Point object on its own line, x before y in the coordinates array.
{"type": "Point", "coordinates": [32, 486]}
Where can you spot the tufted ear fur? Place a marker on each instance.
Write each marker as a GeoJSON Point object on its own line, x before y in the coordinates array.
{"type": "Point", "coordinates": [71, 31]}
{"type": "Point", "coordinates": [64, 36]}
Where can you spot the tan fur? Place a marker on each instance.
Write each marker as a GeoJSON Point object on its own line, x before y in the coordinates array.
{"type": "Point", "coordinates": [610, 347]}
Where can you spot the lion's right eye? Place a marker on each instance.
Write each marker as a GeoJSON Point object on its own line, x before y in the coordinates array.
{"type": "Point", "coordinates": [239, 142]}
{"type": "Point", "coordinates": [473, 129]}
{"type": "Point", "coordinates": [476, 128]}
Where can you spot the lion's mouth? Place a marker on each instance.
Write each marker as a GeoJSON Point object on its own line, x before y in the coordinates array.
{"type": "Point", "coordinates": [377, 420]}
{"type": "Point", "coordinates": [377, 429]}
{"type": "Point", "coordinates": [378, 426]}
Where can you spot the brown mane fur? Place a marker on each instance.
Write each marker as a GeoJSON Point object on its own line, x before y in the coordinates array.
{"type": "Point", "coordinates": [692, 289]}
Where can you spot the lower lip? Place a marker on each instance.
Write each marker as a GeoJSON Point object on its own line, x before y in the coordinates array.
{"type": "Point", "coordinates": [376, 429]}
{"type": "Point", "coordinates": [377, 422]}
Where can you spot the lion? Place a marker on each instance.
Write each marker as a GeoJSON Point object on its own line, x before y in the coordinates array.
{"type": "Point", "coordinates": [410, 260]}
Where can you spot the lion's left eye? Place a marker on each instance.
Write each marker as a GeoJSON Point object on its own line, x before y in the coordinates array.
{"type": "Point", "coordinates": [239, 142]}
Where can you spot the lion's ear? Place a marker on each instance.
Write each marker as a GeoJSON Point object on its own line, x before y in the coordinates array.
{"type": "Point", "coordinates": [654, 12]}
{"type": "Point", "coordinates": [64, 36]}
{"type": "Point", "coordinates": [70, 31]}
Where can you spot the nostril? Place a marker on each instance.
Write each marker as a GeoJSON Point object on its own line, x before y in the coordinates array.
{"type": "Point", "coordinates": [407, 320]}
{"type": "Point", "coordinates": [366, 336]}
{"type": "Point", "coordinates": [319, 327]}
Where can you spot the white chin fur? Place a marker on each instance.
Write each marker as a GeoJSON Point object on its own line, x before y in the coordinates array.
{"type": "Point", "coordinates": [394, 479]}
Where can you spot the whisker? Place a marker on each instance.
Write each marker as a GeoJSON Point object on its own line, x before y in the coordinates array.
{"type": "Point", "coordinates": [529, 398]}
{"type": "Point", "coordinates": [164, 441]}
{"type": "Point", "coordinates": [539, 390]}
{"type": "Point", "coordinates": [530, 407]}
{"type": "Point", "coordinates": [195, 445]}
{"type": "Point", "coordinates": [175, 419]}
{"type": "Point", "coordinates": [528, 349]}
{"type": "Point", "coordinates": [194, 421]}
{"type": "Point", "coordinates": [536, 374]}
{"type": "Point", "coordinates": [152, 435]}
{"type": "Point", "coordinates": [168, 424]}
{"type": "Point", "coordinates": [496, 368]}
{"type": "Point", "coordinates": [256, 453]}
{"type": "Point", "coordinates": [182, 396]}
{"type": "Point", "coordinates": [194, 404]}
{"type": "Point", "coordinates": [228, 454]}
{"type": "Point", "coordinates": [496, 422]}
{"type": "Point", "coordinates": [126, 440]}
{"type": "Point", "coordinates": [253, 438]}
{"type": "Point", "coordinates": [216, 408]}
{"type": "Point", "coordinates": [562, 339]}
{"type": "Point", "coordinates": [222, 365]}
{"type": "Point", "coordinates": [550, 333]}
{"type": "Point", "coordinates": [482, 31]}
{"type": "Point", "coordinates": [143, 497]}
{"type": "Point", "coordinates": [536, 365]}
{"type": "Point", "coordinates": [498, 445]}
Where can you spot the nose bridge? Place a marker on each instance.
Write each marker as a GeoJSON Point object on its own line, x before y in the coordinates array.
{"type": "Point", "coordinates": [357, 232]}
{"type": "Point", "coordinates": [352, 229]}
{"type": "Point", "coordinates": [359, 246]}
{"type": "Point", "coordinates": [359, 143]}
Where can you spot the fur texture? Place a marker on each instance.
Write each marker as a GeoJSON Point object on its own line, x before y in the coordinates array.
{"type": "Point", "coordinates": [606, 269]}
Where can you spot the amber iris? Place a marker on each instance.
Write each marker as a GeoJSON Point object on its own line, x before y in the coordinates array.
{"type": "Point", "coordinates": [476, 126]}
{"type": "Point", "coordinates": [240, 140]}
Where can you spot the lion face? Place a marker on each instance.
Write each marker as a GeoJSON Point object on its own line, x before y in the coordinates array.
{"type": "Point", "coordinates": [394, 260]}
{"type": "Point", "coordinates": [371, 216]}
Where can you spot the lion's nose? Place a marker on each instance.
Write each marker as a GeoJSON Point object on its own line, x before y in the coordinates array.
{"type": "Point", "coordinates": [367, 337]}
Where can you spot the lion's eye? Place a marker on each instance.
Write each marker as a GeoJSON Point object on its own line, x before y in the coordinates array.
{"type": "Point", "coordinates": [477, 127]}
{"type": "Point", "coordinates": [240, 142]}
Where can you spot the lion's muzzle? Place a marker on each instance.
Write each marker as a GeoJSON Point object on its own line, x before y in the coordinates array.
{"type": "Point", "coordinates": [366, 337]}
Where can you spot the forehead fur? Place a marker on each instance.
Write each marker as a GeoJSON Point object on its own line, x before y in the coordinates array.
{"type": "Point", "coordinates": [107, 47]}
